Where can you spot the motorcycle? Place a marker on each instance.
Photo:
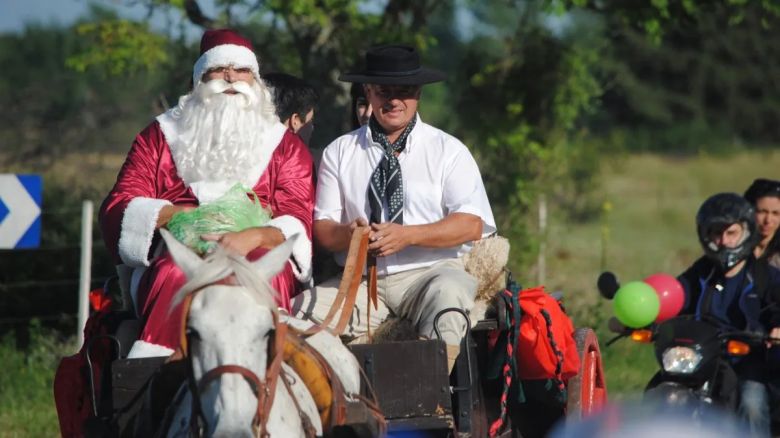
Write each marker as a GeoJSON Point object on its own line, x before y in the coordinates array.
{"type": "Point", "coordinates": [697, 357]}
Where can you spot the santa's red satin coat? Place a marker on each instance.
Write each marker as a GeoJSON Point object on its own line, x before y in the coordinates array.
{"type": "Point", "coordinates": [285, 186]}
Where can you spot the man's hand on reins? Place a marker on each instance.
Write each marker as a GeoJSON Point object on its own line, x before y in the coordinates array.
{"type": "Point", "coordinates": [359, 222]}
{"type": "Point", "coordinates": [334, 236]}
{"type": "Point", "coordinates": [457, 228]}
{"type": "Point", "coordinates": [388, 238]}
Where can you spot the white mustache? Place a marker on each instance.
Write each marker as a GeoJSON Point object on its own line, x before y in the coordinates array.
{"type": "Point", "coordinates": [219, 86]}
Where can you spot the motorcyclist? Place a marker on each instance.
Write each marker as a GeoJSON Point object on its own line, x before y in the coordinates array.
{"type": "Point", "coordinates": [733, 289]}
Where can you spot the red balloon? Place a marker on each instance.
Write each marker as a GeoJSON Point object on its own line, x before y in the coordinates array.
{"type": "Point", "coordinates": [670, 293]}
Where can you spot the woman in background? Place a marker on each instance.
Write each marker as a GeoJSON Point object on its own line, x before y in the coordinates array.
{"type": "Point", "coordinates": [361, 109]}
{"type": "Point", "coordinates": [764, 194]}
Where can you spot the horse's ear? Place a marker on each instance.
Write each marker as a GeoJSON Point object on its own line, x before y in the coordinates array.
{"type": "Point", "coordinates": [185, 258]}
{"type": "Point", "coordinates": [273, 262]}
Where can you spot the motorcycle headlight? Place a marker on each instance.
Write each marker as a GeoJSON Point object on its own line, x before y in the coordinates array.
{"type": "Point", "coordinates": [681, 360]}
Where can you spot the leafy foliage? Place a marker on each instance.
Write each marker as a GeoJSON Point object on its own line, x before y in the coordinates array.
{"type": "Point", "coordinates": [317, 40]}
{"type": "Point", "coordinates": [519, 104]}
{"type": "Point", "coordinates": [50, 110]}
{"type": "Point", "coordinates": [684, 76]}
{"type": "Point", "coordinates": [118, 47]}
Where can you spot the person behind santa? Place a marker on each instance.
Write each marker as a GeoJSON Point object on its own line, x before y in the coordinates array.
{"type": "Point", "coordinates": [223, 132]}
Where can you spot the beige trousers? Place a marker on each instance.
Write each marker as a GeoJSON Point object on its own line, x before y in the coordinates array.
{"type": "Point", "coordinates": [417, 295]}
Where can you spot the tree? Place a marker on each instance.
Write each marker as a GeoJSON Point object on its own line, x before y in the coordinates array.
{"type": "Point", "coordinates": [683, 76]}
{"type": "Point", "coordinates": [317, 40]}
{"type": "Point", "coordinates": [51, 109]}
{"type": "Point", "coordinates": [522, 91]}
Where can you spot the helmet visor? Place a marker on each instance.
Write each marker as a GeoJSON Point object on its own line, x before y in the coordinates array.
{"type": "Point", "coordinates": [728, 236]}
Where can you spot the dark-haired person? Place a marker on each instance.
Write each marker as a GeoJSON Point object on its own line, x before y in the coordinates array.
{"type": "Point", "coordinates": [420, 191]}
{"type": "Point", "coordinates": [295, 100]}
{"type": "Point", "coordinates": [361, 109]}
{"type": "Point", "coordinates": [732, 288]}
{"type": "Point", "coordinates": [764, 194]}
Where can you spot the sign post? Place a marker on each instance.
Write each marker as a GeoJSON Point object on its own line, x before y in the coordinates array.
{"type": "Point", "coordinates": [85, 272]}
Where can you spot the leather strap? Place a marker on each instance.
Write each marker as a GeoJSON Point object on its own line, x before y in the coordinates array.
{"type": "Point", "coordinates": [308, 428]}
{"type": "Point", "coordinates": [338, 409]}
{"type": "Point", "coordinates": [254, 382]}
{"type": "Point", "coordinates": [350, 280]}
{"type": "Point", "coordinates": [266, 398]}
{"type": "Point", "coordinates": [371, 296]}
{"type": "Point", "coordinates": [185, 315]}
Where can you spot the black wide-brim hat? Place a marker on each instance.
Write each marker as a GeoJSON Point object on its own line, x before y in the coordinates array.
{"type": "Point", "coordinates": [393, 64]}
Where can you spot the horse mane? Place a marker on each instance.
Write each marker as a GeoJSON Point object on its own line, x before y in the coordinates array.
{"type": "Point", "coordinates": [221, 264]}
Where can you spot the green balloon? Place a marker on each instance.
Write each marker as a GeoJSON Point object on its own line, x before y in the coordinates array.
{"type": "Point", "coordinates": [636, 304]}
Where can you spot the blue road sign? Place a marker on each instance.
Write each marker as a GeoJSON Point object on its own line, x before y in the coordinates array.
{"type": "Point", "coordinates": [20, 211]}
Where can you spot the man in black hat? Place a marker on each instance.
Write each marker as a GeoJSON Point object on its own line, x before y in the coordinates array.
{"type": "Point", "coordinates": [420, 191]}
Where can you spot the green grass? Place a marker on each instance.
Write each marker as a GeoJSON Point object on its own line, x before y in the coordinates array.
{"type": "Point", "coordinates": [649, 228]}
{"type": "Point", "coordinates": [26, 397]}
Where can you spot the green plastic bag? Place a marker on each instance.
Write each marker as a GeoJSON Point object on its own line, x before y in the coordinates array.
{"type": "Point", "coordinates": [233, 211]}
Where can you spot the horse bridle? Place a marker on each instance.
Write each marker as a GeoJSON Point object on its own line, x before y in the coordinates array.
{"type": "Point", "coordinates": [263, 391]}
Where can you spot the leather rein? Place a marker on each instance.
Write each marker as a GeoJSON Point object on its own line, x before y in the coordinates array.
{"type": "Point", "coordinates": [358, 258]}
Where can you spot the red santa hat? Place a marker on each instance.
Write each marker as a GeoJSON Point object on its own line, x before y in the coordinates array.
{"type": "Point", "coordinates": [224, 47]}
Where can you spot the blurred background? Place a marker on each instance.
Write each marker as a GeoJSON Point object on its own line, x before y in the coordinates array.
{"type": "Point", "coordinates": [599, 128]}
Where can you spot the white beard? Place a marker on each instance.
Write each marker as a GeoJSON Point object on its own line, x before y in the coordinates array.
{"type": "Point", "coordinates": [221, 136]}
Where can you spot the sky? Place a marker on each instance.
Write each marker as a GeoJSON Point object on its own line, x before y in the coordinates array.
{"type": "Point", "coordinates": [15, 14]}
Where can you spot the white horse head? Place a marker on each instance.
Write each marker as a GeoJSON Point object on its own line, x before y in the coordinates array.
{"type": "Point", "coordinates": [230, 325]}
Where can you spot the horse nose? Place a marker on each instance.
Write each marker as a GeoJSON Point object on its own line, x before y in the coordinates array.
{"type": "Point", "coordinates": [235, 404]}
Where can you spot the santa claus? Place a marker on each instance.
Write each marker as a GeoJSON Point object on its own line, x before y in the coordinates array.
{"type": "Point", "coordinates": [223, 132]}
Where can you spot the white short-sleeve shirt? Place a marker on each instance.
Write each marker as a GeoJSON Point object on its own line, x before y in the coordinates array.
{"type": "Point", "coordinates": [440, 177]}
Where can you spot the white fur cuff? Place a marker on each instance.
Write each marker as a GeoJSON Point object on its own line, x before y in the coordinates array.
{"type": "Point", "coordinates": [145, 349]}
{"type": "Point", "coordinates": [138, 225]}
{"type": "Point", "coordinates": [289, 226]}
{"type": "Point", "coordinates": [224, 55]}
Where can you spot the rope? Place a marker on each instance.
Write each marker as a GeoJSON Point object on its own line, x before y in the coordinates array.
{"type": "Point", "coordinates": [509, 369]}
{"type": "Point", "coordinates": [559, 366]}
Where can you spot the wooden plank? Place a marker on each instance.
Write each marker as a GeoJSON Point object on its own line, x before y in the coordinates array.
{"type": "Point", "coordinates": [485, 324]}
{"type": "Point", "coordinates": [359, 423]}
{"type": "Point", "coordinates": [420, 424]}
{"type": "Point", "coordinates": [410, 378]}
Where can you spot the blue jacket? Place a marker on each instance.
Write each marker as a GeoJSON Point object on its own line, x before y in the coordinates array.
{"type": "Point", "coordinates": [748, 301]}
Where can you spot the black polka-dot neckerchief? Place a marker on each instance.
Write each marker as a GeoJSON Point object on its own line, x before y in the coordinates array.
{"type": "Point", "coordinates": [386, 182]}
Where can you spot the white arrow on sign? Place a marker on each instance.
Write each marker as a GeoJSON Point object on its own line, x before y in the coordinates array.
{"type": "Point", "coordinates": [22, 210]}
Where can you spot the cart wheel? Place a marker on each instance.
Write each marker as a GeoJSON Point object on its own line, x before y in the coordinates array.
{"type": "Point", "coordinates": [587, 390]}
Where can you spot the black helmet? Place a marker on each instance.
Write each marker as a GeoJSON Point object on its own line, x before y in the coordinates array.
{"type": "Point", "coordinates": [762, 187]}
{"type": "Point", "coordinates": [716, 214]}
